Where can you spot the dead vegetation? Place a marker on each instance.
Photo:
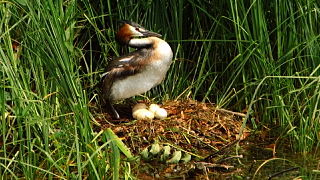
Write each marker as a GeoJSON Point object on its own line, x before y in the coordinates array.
{"type": "Point", "coordinates": [200, 129]}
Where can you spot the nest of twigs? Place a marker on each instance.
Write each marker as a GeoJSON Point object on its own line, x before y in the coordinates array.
{"type": "Point", "coordinates": [199, 129]}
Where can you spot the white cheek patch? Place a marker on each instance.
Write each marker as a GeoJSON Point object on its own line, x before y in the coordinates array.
{"type": "Point", "coordinates": [135, 32]}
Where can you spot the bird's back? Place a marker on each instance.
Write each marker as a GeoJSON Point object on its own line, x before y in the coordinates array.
{"type": "Point", "coordinates": [151, 66]}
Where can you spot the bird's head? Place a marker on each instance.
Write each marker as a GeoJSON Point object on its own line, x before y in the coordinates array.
{"type": "Point", "coordinates": [129, 30]}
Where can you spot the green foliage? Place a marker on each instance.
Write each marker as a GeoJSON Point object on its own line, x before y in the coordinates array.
{"type": "Point", "coordinates": [45, 123]}
{"type": "Point", "coordinates": [263, 56]}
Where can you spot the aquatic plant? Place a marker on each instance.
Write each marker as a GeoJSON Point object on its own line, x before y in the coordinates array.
{"type": "Point", "coordinates": [259, 57]}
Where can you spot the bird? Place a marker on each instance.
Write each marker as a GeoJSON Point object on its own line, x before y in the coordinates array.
{"type": "Point", "coordinates": [138, 71]}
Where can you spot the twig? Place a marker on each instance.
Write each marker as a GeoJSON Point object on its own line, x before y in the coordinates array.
{"type": "Point", "coordinates": [230, 157]}
{"type": "Point", "coordinates": [231, 112]}
{"type": "Point", "coordinates": [281, 172]}
{"type": "Point", "coordinates": [204, 165]}
{"type": "Point", "coordinates": [221, 150]}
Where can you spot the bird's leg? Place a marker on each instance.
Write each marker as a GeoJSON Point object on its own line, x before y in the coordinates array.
{"type": "Point", "coordinates": [115, 113]}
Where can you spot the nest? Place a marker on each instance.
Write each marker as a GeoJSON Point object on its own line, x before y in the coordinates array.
{"type": "Point", "coordinates": [196, 128]}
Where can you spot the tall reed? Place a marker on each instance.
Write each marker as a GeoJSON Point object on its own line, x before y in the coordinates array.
{"type": "Point", "coordinates": [46, 126]}
{"type": "Point", "coordinates": [252, 55]}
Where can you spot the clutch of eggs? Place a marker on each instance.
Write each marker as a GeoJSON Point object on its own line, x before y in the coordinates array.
{"type": "Point", "coordinates": [140, 112]}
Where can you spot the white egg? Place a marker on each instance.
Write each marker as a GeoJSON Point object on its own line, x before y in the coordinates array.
{"type": "Point", "coordinates": [136, 112]}
{"type": "Point", "coordinates": [142, 114]}
{"type": "Point", "coordinates": [154, 107]}
{"type": "Point", "coordinates": [160, 113]}
{"type": "Point", "coordinates": [139, 106]}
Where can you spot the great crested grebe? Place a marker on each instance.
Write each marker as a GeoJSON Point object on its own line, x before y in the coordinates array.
{"type": "Point", "coordinates": [138, 71]}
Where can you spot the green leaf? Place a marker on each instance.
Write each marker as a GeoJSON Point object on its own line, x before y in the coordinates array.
{"type": "Point", "coordinates": [122, 147]}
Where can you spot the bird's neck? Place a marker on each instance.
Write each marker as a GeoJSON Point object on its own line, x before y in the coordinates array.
{"type": "Point", "coordinates": [141, 43]}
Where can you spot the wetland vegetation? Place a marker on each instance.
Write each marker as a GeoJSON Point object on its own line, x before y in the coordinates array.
{"type": "Point", "coordinates": [249, 67]}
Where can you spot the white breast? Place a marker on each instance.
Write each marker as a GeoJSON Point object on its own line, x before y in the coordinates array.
{"type": "Point", "coordinates": [151, 76]}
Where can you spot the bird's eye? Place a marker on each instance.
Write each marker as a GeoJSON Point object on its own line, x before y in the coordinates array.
{"type": "Point", "coordinates": [137, 29]}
